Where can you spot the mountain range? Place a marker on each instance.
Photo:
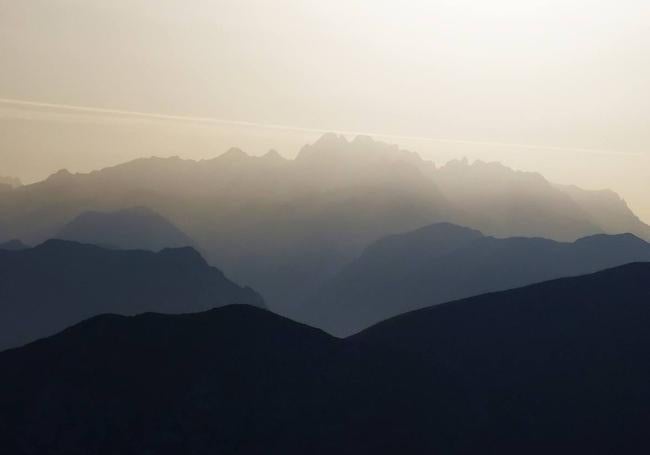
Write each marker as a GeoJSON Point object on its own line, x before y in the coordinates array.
{"type": "Point", "coordinates": [58, 283]}
{"type": "Point", "coordinates": [287, 226]}
{"type": "Point", "coordinates": [444, 262]}
{"type": "Point", "coordinates": [555, 367]}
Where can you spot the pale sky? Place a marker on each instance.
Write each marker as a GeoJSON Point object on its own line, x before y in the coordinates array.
{"type": "Point", "coordinates": [558, 86]}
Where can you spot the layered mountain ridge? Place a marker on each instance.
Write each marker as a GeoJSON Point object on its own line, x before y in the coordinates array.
{"type": "Point", "coordinates": [444, 262]}
{"type": "Point", "coordinates": [286, 226]}
{"type": "Point", "coordinates": [58, 283]}
{"type": "Point", "coordinates": [556, 366]}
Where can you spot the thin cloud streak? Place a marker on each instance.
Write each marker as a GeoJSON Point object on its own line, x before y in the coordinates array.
{"type": "Point", "coordinates": [192, 119]}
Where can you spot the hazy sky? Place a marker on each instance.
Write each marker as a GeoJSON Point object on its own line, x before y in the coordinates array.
{"type": "Point", "coordinates": [525, 82]}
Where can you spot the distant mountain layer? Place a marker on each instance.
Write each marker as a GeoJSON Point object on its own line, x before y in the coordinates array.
{"type": "Point", "coordinates": [56, 284]}
{"type": "Point", "coordinates": [444, 262]}
{"type": "Point", "coordinates": [557, 367]}
{"type": "Point", "coordinates": [286, 226]}
{"type": "Point", "coordinates": [135, 228]}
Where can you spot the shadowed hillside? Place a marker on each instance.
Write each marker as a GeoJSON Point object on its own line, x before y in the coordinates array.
{"type": "Point", "coordinates": [553, 367]}
{"type": "Point", "coordinates": [444, 262]}
{"type": "Point", "coordinates": [58, 283]}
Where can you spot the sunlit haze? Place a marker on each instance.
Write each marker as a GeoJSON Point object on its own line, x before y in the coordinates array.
{"type": "Point", "coordinates": [245, 227]}
{"type": "Point", "coordinates": [555, 86]}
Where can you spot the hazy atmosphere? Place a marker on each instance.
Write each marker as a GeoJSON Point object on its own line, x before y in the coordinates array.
{"type": "Point", "coordinates": [550, 86]}
{"type": "Point", "coordinates": [246, 227]}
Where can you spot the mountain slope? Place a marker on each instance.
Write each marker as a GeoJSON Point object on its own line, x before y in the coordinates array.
{"type": "Point", "coordinates": [445, 262]}
{"type": "Point", "coordinates": [49, 287]}
{"type": "Point", "coordinates": [608, 210]}
{"type": "Point", "coordinates": [555, 367]}
{"type": "Point", "coordinates": [157, 383]}
{"type": "Point", "coordinates": [503, 202]}
{"type": "Point", "coordinates": [134, 228]}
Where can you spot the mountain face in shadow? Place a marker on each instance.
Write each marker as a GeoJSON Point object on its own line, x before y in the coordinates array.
{"type": "Point", "coordinates": [444, 262]}
{"type": "Point", "coordinates": [559, 364]}
{"type": "Point", "coordinates": [129, 229]}
{"type": "Point", "coordinates": [215, 382]}
{"type": "Point", "coordinates": [286, 226]}
{"type": "Point", "coordinates": [554, 367]}
{"type": "Point", "coordinates": [58, 283]}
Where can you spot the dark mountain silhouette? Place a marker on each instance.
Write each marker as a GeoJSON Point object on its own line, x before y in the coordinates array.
{"type": "Point", "coordinates": [286, 226]}
{"type": "Point", "coordinates": [134, 228]}
{"type": "Point", "coordinates": [223, 381]}
{"type": "Point", "coordinates": [444, 262]}
{"type": "Point", "coordinates": [13, 245]}
{"type": "Point", "coordinates": [557, 367]}
{"type": "Point", "coordinates": [49, 287]}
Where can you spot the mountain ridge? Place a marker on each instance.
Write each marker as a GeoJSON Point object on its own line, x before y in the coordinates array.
{"type": "Point", "coordinates": [75, 281]}
{"type": "Point", "coordinates": [445, 262]}
{"type": "Point", "coordinates": [475, 375]}
{"type": "Point", "coordinates": [286, 226]}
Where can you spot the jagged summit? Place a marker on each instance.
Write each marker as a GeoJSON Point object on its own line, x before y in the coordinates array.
{"type": "Point", "coordinates": [286, 226]}
{"type": "Point", "coordinates": [273, 155]}
{"type": "Point", "coordinates": [336, 149]}
{"type": "Point", "coordinates": [331, 140]}
{"type": "Point", "coordinates": [232, 155]}
{"type": "Point", "coordinates": [60, 176]}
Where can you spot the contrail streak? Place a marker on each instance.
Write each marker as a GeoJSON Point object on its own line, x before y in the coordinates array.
{"type": "Point", "coordinates": [216, 121]}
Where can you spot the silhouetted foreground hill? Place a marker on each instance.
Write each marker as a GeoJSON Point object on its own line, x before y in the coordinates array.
{"type": "Point", "coordinates": [134, 228]}
{"type": "Point", "coordinates": [58, 283]}
{"type": "Point", "coordinates": [214, 382]}
{"type": "Point", "coordinates": [558, 367]}
{"type": "Point", "coordinates": [444, 262]}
